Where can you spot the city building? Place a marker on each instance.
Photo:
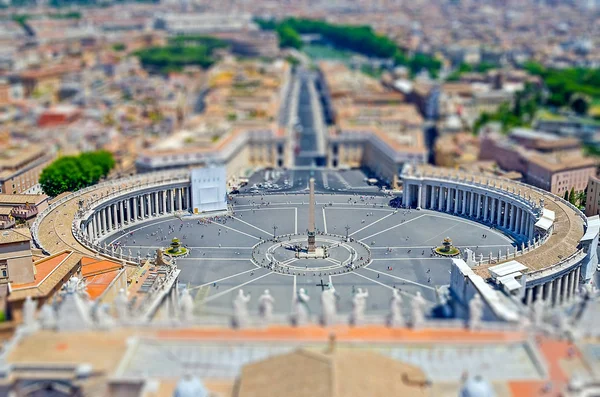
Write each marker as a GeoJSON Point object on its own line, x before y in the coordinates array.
{"type": "Point", "coordinates": [373, 126]}
{"type": "Point", "coordinates": [592, 202]}
{"type": "Point", "coordinates": [545, 160]}
{"type": "Point", "coordinates": [238, 126]}
{"type": "Point", "coordinates": [21, 166]}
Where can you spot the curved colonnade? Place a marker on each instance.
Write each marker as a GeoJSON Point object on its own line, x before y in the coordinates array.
{"type": "Point", "coordinates": [553, 255]}
{"type": "Point", "coordinates": [104, 209]}
{"type": "Point", "coordinates": [547, 230]}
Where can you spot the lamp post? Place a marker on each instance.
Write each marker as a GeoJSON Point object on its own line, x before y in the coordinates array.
{"type": "Point", "coordinates": [275, 230]}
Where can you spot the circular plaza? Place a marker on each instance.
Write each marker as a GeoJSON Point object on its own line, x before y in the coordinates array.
{"type": "Point", "coordinates": [362, 241]}
{"type": "Point", "coordinates": [368, 244]}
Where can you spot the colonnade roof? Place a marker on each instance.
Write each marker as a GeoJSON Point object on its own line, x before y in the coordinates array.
{"type": "Point", "coordinates": [569, 226]}
{"type": "Point", "coordinates": [54, 231]}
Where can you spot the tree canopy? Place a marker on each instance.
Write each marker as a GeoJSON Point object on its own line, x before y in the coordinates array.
{"type": "Point", "coordinates": [181, 51]}
{"type": "Point", "coordinates": [71, 173]}
{"type": "Point", "coordinates": [358, 38]}
{"type": "Point", "coordinates": [564, 84]}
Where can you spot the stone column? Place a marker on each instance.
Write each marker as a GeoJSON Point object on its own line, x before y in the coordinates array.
{"type": "Point", "coordinates": [568, 292]}
{"type": "Point", "coordinates": [519, 220]}
{"type": "Point", "coordinates": [181, 201]}
{"type": "Point", "coordinates": [108, 219]}
{"type": "Point", "coordinates": [528, 296]}
{"type": "Point", "coordinates": [485, 208]}
{"type": "Point", "coordinates": [440, 197]}
{"type": "Point", "coordinates": [464, 202]}
{"type": "Point", "coordinates": [129, 210]}
{"type": "Point", "coordinates": [523, 222]}
{"type": "Point", "coordinates": [493, 210]}
{"type": "Point", "coordinates": [472, 206]}
{"type": "Point", "coordinates": [90, 229]}
{"type": "Point", "coordinates": [559, 291]}
{"type": "Point", "coordinates": [145, 208]}
{"type": "Point", "coordinates": [479, 200]}
{"type": "Point", "coordinates": [122, 218]}
{"type": "Point", "coordinates": [549, 292]}
{"type": "Point", "coordinates": [164, 201]}
{"type": "Point", "coordinates": [576, 280]}
{"type": "Point", "coordinates": [539, 292]}
{"type": "Point", "coordinates": [135, 208]}
{"type": "Point", "coordinates": [104, 221]}
{"type": "Point", "coordinates": [432, 198]}
{"type": "Point", "coordinates": [505, 221]}
{"type": "Point", "coordinates": [420, 193]}
{"type": "Point", "coordinates": [114, 220]}
{"type": "Point", "coordinates": [448, 209]}
{"type": "Point", "coordinates": [156, 204]}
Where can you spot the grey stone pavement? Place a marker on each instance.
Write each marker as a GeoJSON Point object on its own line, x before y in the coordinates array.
{"type": "Point", "coordinates": [219, 262]}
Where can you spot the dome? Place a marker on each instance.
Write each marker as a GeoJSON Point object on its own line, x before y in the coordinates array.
{"type": "Point", "coordinates": [476, 387]}
{"type": "Point", "coordinates": [190, 386]}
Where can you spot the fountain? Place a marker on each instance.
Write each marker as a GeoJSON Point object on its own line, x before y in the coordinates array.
{"type": "Point", "coordinates": [447, 249]}
{"type": "Point", "coordinates": [175, 248]}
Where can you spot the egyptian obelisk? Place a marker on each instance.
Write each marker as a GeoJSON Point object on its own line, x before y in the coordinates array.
{"type": "Point", "coordinates": [311, 217]}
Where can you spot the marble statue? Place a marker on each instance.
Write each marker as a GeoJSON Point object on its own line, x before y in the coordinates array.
{"type": "Point", "coordinates": [475, 312]}
{"type": "Point", "coordinates": [186, 306]}
{"type": "Point", "coordinates": [103, 319]}
{"type": "Point", "coordinates": [265, 306]}
{"type": "Point", "coordinates": [359, 304]}
{"type": "Point", "coordinates": [47, 317]}
{"type": "Point", "coordinates": [300, 314]}
{"type": "Point", "coordinates": [470, 257]}
{"type": "Point", "coordinates": [328, 305]}
{"type": "Point", "coordinates": [29, 308]}
{"type": "Point", "coordinates": [121, 305]}
{"type": "Point", "coordinates": [240, 309]}
{"type": "Point", "coordinates": [537, 312]}
{"type": "Point", "coordinates": [395, 318]}
{"type": "Point", "coordinates": [417, 306]}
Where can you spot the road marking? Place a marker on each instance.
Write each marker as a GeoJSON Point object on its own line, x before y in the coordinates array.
{"type": "Point", "coordinates": [390, 228]}
{"type": "Point", "coordinates": [251, 225]}
{"type": "Point", "coordinates": [408, 259]}
{"type": "Point", "coordinates": [401, 279]}
{"type": "Point", "coordinates": [235, 230]}
{"type": "Point", "coordinates": [324, 220]}
{"type": "Point", "coordinates": [187, 246]}
{"type": "Point", "coordinates": [371, 224]}
{"type": "Point", "coordinates": [127, 231]}
{"type": "Point", "coordinates": [430, 246]}
{"type": "Point", "coordinates": [221, 279]}
{"type": "Point", "coordinates": [456, 218]}
{"type": "Point", "coordinates": [388, 287]}
{"type": "Point", "coordinates": [442, 233]}
{"type": "Point", "coordinates": [215, 296]}
{"type": "Point", "coordinates": [325, 180]}
{"type": "Point", "coordinates": [213, 259]}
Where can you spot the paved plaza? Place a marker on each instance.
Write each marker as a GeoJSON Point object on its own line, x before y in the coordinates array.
{"type": "Point", "coordinates": [396, 250]}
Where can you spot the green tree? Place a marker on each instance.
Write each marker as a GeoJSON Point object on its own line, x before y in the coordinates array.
{"type": "Point", "coordinates": [288, 37]}
{"type": "Point", "coordinates": [71, 173]}
{"type": "Point", "coordinates": [580, 105]}
{"type": "Point", "coordinates": [581, 198]}
{"type": "Point", "coordinates": [572, 196]}
{"type": "Point", "coordinates": [566, 195]}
